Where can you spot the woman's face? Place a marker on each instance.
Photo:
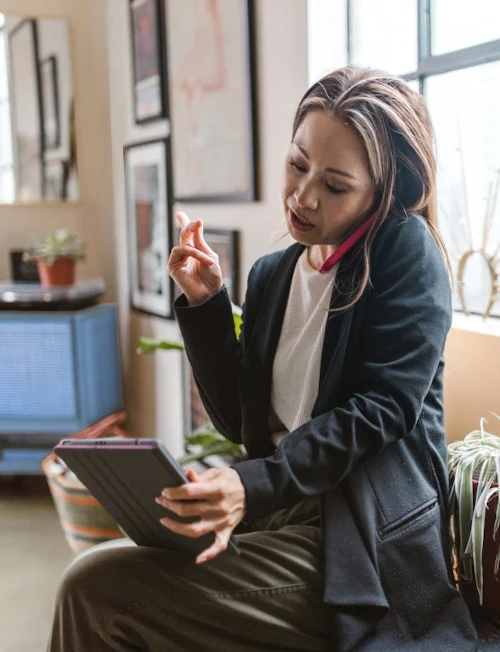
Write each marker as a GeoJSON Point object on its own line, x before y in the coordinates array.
{"type": "Point", "coordinates": [327, 188]}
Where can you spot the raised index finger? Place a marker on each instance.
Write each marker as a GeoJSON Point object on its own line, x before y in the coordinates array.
{"type": "Point", "coordinates": [183, 219]}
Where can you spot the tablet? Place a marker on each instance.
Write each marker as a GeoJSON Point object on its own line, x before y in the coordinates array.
{"type": "Point", "coordinates": [125, 476]}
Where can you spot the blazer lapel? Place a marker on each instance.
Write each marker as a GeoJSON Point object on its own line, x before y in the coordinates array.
{"type": "Point", "coordinates": [336, 334]}
{"type": "Point", "coordinates": [265, 341]}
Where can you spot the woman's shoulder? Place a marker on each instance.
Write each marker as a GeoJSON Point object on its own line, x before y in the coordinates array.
{"type": "Point", "coordinates": [409, 225]}
{"type": "Point", "coordinates": [406, 239]}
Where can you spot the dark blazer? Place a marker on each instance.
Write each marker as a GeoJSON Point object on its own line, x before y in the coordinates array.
{"type": "Point", "coordinates": [374, 448]}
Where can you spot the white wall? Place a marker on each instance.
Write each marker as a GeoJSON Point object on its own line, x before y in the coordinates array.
{"type": "Point", "coordinates": [92, 216]}
{"type": "Point", "coordinates": [153, 384]}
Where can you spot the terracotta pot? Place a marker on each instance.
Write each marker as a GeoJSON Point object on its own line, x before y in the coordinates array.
{"type": "Point", "coordinates": [491, 584]}
{"type": "Point", "coordinates": [62, 272]}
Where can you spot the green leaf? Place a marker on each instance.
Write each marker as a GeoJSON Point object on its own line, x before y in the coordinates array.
{"type": "Point", "coordinates": [475, 461]}
{"type": "Point", "coordinates": [150, 345]}
{"type": "Point", "coordinates": [478, 538]}
{"type": "Point", "coordinates": [496, 527]}
{"type": "Point", "coordinates": [225, 447]}
{"type": "Point", "coordinates": [238, 323]}
{"type": "Point", "coordinates": [204, 439]}
{"type": "Point", "coordinates": [497, 563]}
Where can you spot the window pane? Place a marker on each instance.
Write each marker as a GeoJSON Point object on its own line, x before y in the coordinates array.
{"type": "Point", "coordinates": [415, 84]}
{"type": "Point", "coordinates": [384, 34]}
{"type": "Point", "coordinates": [468, 148]}
{"type": "Point", "coordinates": [459, 24]}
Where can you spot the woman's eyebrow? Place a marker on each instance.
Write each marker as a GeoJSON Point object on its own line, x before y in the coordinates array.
{"type": "Point", "coordinates": [334, 170]}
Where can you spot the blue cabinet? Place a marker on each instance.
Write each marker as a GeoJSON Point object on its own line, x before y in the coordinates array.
{"type": "Point", "coordinates": [59, 373]}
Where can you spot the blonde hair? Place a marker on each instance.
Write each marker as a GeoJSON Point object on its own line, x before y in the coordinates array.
{"type": "Point", "coordinates": [393, 123]}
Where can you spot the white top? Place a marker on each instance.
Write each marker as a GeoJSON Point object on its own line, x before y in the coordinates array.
{"type": "Point", "coordinates": [296, 368]}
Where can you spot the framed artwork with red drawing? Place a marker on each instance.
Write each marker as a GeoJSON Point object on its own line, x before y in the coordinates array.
{"type": "Point", "coordinates": [212, 99]}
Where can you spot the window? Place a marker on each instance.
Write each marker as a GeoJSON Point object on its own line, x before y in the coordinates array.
{"type": "Point", "coordinates": [451, 48]}
{"type": "Point", "coordinates": [458, 24]}
{"type": "Point", "coordinates": [375, 34]}
{"type": "Point", "coordinates": [6, 167]}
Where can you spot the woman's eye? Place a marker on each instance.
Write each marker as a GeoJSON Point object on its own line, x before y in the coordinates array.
{"type": "Point", "coordinates": [295, 165]}
{"type": "Point", "coordinates": [335, 191]}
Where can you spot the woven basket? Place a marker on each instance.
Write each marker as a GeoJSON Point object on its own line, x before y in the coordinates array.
{"type": "Point", "coordinates": [83, 519]}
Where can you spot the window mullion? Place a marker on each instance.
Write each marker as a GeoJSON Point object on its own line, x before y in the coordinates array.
{"type": "Point", "coordinates": [349, 30]}
{"type": "Point", "coordinates": [424, 30]}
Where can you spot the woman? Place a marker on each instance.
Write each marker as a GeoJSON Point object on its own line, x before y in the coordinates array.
{"type": "Point", "coordinates": [335, 388]}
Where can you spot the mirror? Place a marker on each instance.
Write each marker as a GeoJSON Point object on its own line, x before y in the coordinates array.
{"type": "Point", "coordinates": [37, 123]}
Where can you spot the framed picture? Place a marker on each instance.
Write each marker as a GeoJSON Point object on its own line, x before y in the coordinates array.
{"type": "Point", "coordinates": [149, 211]}
{"type": "Point", "coordinates": [23, 271]}
{"type": "Point", "coordinates": [26, 111]}
{"type": "Point", "coordinates": [50, 100]}
{"type": "Point", "coordinates": [195, 414]}
{"type": "Point", "coordinates": [55, 174]}
{"type": "Point", "coordinates": [226, 244]}
{"type": "Point", "coordinates": [148, 55]}
{"type": "Point", "coordinates": [212, 99]}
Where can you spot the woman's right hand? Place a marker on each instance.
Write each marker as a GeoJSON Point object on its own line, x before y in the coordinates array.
{"type": "Point", "coordinates": [193, 265]}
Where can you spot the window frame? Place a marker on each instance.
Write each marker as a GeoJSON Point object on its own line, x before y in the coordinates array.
{"type": "Point", "coordinates": [429, 64]}
{"type": "Point", "coordinates": [6, 162]}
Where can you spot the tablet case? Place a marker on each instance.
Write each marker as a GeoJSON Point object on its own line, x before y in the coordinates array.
{"type": "Point", "coordinates": [126, 476]}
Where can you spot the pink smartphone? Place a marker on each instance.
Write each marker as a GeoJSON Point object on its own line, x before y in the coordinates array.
{"type": "Point", "coordinates": [125, 476]}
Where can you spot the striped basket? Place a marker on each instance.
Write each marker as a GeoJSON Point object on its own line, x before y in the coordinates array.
{"type": "Point", "coordinates": [83, 519]}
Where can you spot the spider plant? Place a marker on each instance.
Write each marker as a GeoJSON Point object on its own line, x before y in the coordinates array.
{"type": "Point", "coordinates": [474, 465]}
{"type": "Point", "coordinates": [205, 441]}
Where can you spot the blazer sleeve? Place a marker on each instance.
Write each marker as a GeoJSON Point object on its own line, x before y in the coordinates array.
{"type": "Point", "coordinates": [215, 353]}
{"type": "Point", "coordinates": [407, 319]}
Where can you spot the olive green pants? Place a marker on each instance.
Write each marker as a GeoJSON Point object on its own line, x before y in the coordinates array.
{"type": "Point", "coordinates": [269, 598]}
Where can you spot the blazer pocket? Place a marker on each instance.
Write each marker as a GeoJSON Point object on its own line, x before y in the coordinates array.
{"type": "Point", "coordinates": [415, 519]}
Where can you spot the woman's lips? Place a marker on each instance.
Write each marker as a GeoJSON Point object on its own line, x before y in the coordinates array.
{"type": "Point", "coordinates": [299, 224]}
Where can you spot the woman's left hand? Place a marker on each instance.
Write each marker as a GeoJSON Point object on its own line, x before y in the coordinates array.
{"type": "Point", "coordinates": [217, 496]}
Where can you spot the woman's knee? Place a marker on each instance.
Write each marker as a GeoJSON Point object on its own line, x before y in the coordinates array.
{"type": "Point", "coordinates": [94, 574]}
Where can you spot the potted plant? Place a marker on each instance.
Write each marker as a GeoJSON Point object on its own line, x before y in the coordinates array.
{"type": "Point", "coordinates": [203, 441]}
{"type": "Point", "coordinates": [474, 465]}
{"type": "Point", "coordinates": [56, 256]}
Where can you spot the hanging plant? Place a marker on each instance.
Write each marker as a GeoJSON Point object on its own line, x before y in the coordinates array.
{"type": "Point", "coordinates": [474, 465]}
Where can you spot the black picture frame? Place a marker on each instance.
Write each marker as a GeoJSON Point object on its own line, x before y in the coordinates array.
{"type": "Point", "coordinates": [29, 154]}
{"type": "Point", "coordinates": [149, 201]}
{"type": "Point", "coordinates": [193, 411]}
{"type": "Point", "coordinates": [226, 244]}
{"type": "Point", "coordinates": [208, 167]}
{"type": "Point", "coordinates": [23, 271]}
{"type": "Point", "coordinates": [149, 76]}
{"type": "Point", "coordinates": [49, 84]}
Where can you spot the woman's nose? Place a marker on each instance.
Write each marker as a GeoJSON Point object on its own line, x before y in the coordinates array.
{"type": "Point", "coordinates": [305, 198]}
